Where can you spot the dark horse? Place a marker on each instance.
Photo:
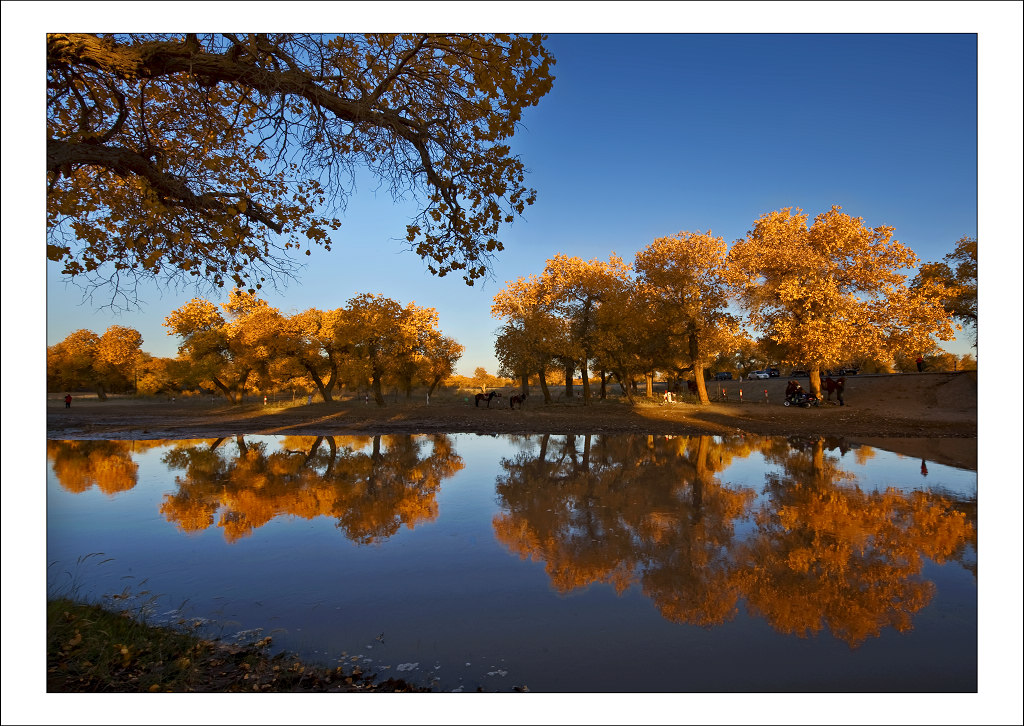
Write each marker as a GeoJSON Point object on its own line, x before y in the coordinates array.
{"type": "Point", "coordinates": [486, 397]}
{"type": "Point", "coordinates": [519, 398]}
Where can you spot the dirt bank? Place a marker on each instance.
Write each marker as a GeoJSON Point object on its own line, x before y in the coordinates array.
{"type": "Point", "coordinates": [927, 415]}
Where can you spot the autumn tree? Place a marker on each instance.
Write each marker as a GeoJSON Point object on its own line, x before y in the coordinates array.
{"type": "Point", "coordinates": [684, 275]}
{"type": "Point", "coordinates": [230, 352]}
{"type": "Point", "coordinates": [833, 290]}
{"type": "Point", "coordinates": [532, 336]}
{"type": "Point", "coordinates": [102, 363]}
{"type": "Point", "coordinates": [311, 343]}
{"type": "Point", "coordinates": [628, 339]}
{"type": "Point", "coordinates": [438, 358]}
{"type": "Point", "coordinates": [574, 289]}
{"type": "Point", "coordinates": [958, 274]}
{"type": "Point", "coordinates": [380, 336]}
{"type": "Point", "coordinates": [206, 157]}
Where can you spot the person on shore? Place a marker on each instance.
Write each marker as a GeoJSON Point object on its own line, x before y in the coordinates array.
{"type": "Point", "coordinates": [67, 400]}
{"type": "Point", "coordinates": [920, 364]}
{"type": "Point", "coordinates": [840, 385]}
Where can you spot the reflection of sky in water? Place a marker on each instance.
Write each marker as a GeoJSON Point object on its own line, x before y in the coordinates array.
{"type": "Point", "coordinates": [445, 598]}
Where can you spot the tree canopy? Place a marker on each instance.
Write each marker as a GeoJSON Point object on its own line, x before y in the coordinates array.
{"type": "Point", "coordinates": [210, 158]}
{"type": "Point", "coordinates": [99, 362]}
{"type": "Point", "coordinates": [833, 290]}
{"type": "Point", "coordinates": [958, 274]}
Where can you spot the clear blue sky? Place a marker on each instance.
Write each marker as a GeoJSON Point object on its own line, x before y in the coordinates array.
{"type": "Point", "coordinates": [647, 134]}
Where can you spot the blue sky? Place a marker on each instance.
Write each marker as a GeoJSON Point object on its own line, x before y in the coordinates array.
{"type": "Point", "coordinates": [647, 134]}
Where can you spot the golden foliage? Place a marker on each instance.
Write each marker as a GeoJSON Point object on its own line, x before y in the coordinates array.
{"type": "Point", "coordinates": [371, 485]}
{"type": "Point", "coordinates": [206, 158]}
{"type": "Point", "coordinates": [833, 291]}
{"type": "Point", "coordinates": [81, 465]}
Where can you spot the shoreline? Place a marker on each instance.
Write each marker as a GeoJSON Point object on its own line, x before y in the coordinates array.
{"type": "Point", "coordinates": [929, 417]}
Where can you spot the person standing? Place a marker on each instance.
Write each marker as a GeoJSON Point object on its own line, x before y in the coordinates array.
{"type": "Point", "coordinates": [840, 385]}
{"type": "Point", "coordinates": [920, 364]}
{"type": "Point", "coordinates": [67, 400]}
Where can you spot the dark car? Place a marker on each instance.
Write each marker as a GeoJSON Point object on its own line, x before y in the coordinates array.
{"type": "Point", "coordinates": [723, 376]}
{"type": "Point", "coordinates": [773, 372]}
{"type": "Point", "coordinates": [799, 374]}
{"type": "Point", "coordinates": [849, 371]}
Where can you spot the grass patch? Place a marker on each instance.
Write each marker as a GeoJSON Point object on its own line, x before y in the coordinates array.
{"type": "Point", "coordinates": [91, 649]}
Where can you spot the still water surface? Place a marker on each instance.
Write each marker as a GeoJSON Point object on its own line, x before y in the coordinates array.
{"type": "Point", "coordinates": [556, 563]}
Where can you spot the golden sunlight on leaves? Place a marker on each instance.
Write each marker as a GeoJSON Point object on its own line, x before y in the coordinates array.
{"type": "Point", "coordinates": [207, 158]}
{"type": "Point", "coordinates": [371, 493]}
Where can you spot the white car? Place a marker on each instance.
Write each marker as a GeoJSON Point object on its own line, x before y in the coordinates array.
{"type": "Point", "coordinates": [759, 374]}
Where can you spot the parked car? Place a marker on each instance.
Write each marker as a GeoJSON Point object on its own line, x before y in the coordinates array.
{"type": "Point", "coordinates": [773, 372]}
{"type": "Point", "coordinates": [723, 376]}
{"type": "Point", "coordinates": [849, 371]}
{"type": "Point", "coordinates": [759, 374]}
{"type": "Point", "coordinates": [799, 374]}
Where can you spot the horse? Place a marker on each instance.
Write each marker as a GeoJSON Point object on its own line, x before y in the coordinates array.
{"type": "Point", "coordinates": [519, 398]}
{"type": "Point", "coordinates": [486, 397]}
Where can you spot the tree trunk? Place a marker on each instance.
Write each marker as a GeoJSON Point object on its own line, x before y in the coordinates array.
{"type": "Point", "coordinates": [702, 387]}
{"type": "Point", "coordinates": [570, 368]}
{"type": "Point", "coordinates": [586, 379]}
{"type": "Point", "coordinates": [544, 385]}
{"type": "Point", "coordinates": [524, 384]}
{"type": "Point", "coordinates": [649, 379]}
{"type": "Point", "coordinates": [604, 385]}
{"type": "Point", "coordinates": [626, 384]}
{"type": "Point", "coordinates": [378, 394]}
{"type": "Point", "coordinates": [815, 376]}
{"type": "Point", "coordinates": [324, 388]}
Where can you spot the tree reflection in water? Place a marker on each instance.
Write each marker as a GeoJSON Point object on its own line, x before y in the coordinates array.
{"type": "Point", "coordinates": [107, 465]}
{"type": "Point", "coordinates": [822, 552]}
{"type": "Point", "coordinates": [811, 551]}
{"type": "Point", "coordinates": [370, 485]}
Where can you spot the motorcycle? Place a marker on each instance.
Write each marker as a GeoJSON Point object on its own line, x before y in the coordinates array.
{"type": "Point", "coordinates": [801, 398]}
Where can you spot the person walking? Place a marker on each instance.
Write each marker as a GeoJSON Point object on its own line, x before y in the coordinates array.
{"type": "Point", "coordinates": [67, 400]}
{"type": "Point", "coordinates": [840, 385]}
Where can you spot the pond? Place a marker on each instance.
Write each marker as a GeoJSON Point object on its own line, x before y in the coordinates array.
{"type": "Point", "coordinates": [618, 563]}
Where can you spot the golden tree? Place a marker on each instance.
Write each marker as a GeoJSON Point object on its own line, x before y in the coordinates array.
{"type": "Point", "coordinates": [231, 353]}
{"type": "Point", "coordinates": [102, 363]}
{"type": "Point", "coordinates": [311, 343]}
{"type": "Point", "coordinates": [958, 274]}
{"type": "Point", "coordinates": [205, 158]}
{"type": "Point", "coordinates": [574, 289]}
{"type": "Point", "coordinates": [684, 277]}
{"type": "Point", "coordinates": [438, 358]}
{"type": "Point", "coordinates": [380, 335]}
{"type": "Point", "coordinates": [832, 291]}
{"type": "Point", "coordinates": [532, 336]}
